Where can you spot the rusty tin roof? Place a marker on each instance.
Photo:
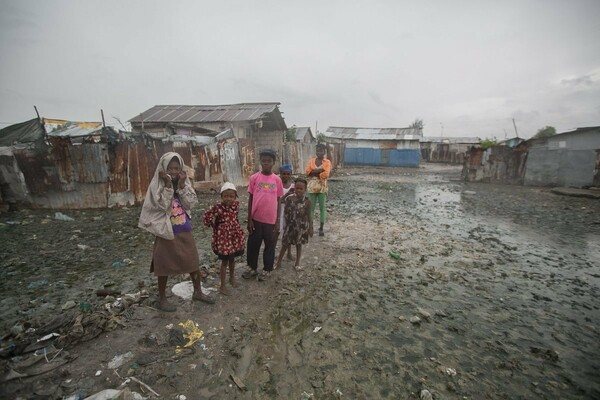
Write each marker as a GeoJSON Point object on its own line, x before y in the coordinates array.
{"type": "Point", "coordinates": [349, 133]}
{"type": "Point", "coordinates": [205, 113]}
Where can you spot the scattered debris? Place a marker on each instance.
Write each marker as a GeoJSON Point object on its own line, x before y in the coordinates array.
{"type": "Point", "coordinates": [192, 334]}
{"type": "Point", "coordinates": [239, 383]}
{"type": "Point", "coordinates": [426, 395]}
{"type": "Point", "coordinates": [119, 360]}
{"type": "Point", "coordinates": [62, 217]}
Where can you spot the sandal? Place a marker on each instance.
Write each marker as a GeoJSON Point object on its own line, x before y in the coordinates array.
{"type": "Point", "coordinates": [203, 297]}
{"type": "Point", "coordinates": [250, 273]}
{"type": "Point", "coordinates": [298, 268]}
{"type": "Point", "coordinates": [264, 275]}
{"type": "Point", "coordinates": [166, 307]}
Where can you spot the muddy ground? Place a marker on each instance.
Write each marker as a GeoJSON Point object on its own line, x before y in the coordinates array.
{"type": "Point", "coordinates": [422, 282]}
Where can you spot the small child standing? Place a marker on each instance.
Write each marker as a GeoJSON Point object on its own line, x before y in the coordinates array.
{"type": "Point", "coordinates": [264, 190]}
{"type": "Point", "coordinates": [298, 226]}
{"type": "Point", "coordinates": [285, 173]}
{"type": "Point", "coordinates": [228, 237]}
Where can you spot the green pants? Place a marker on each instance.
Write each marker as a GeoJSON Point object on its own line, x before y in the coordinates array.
{"type": "Point", "coordinates": [320, 197]}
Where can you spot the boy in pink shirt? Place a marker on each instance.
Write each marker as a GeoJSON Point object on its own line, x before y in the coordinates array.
{"type": "Point", "coordinates": [265, 189]}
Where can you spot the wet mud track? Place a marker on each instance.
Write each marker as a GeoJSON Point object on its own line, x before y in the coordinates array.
{"type": "Point", "coordinates": [421, 282]}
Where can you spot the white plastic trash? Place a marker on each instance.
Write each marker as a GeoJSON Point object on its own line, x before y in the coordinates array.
{"type": "Point", "coordinates": [62, 217]}
{"type": "Point", "coordinates": [185, 290]}
{"type": "Point", "coordinates": [119, 360]}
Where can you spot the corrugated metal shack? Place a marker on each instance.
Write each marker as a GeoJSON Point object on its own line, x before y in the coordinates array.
{"type": "Point", "coordinates": [84, 165]}
{"type": "Point", "coordinates": [304, 134]}
{"type": "Point", "coordinates": [499, 164]}
{"type": "Point", "coordinates": [259, 123]}
{"type": "Point", "coordinates": [450, 150]}
{"type": "Point", "coordinates": [567, 159]}
{"type": "Point", "coordinates": [397, 147]}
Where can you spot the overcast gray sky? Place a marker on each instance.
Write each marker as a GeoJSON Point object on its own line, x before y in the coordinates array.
{"type": "Point", "coordinates": [464, 67]}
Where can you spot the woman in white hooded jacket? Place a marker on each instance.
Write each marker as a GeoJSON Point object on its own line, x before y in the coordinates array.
{"type": "Point", "coordinates": [166, 214]}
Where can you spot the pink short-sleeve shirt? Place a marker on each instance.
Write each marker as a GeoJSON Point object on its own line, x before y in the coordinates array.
{"type": "Point", "coordinates": [265, 190]}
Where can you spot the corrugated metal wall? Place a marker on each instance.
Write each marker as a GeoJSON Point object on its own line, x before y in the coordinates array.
{"type": "Point", "coordinates": [563, 160]}
{"type": "Point", "coordinates": [451, 153]}
{"type": "Point", "coordinates": [497, 164]}
{"type": "Point", "coordinates": [62, 175]}
{"type": "Point", "coordinates": [299, 153]}
{"type": "Point", "coordinates": [382, 157]}
{"type": "Point", "coordinates": [230, 159]}
{"type": "Point", "coordinates": [596, 181]}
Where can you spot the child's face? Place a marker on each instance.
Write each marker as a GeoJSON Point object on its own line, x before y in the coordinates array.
{"type": "Point", "coordinates": [266, 163]}
{"type": "Point", "coordinates": [285, 176]}
{"type": "Point", "coordinates": [173, 169]}
{"type": "Point", "coordinates": [228, 197]}
{"type": "Point", "coordinates": [320, 152]}
{"type": "Point", "coordinates": [300, 189]}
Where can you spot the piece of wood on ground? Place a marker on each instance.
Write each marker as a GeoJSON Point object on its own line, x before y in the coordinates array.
{"type": "Point", "coordinates": [240, 384]}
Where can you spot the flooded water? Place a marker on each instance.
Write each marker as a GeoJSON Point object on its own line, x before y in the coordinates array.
{"type": "Point", "coordinates": [510, 276]}
{"type": "Point", "coordinates": [422, 282]}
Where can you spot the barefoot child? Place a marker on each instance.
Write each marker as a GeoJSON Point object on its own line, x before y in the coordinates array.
{"type": "Point", "coordinates": [228, 237]}
{"type": "Point", "coordinates": [166, 214]}
{"type": "Point", "coordinates": [298, 226]}
{"type": "Point", "coordinates": [285, 173]}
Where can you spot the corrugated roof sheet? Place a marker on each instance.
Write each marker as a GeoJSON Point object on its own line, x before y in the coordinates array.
{"type": "Point", "coordinates": [24, 132]}
{"type": "Point", "coordinates": [77, 129]}
{"type": "Point", "coordinates": [301, 131]}
{"type": "Point", "coordinates": [449, 139]}
{"type": "Point", "coordinates": [577, 130]}
{"type": "Point", "coordinates": [205, 113]}
{"type": "Point", "coordinates": [201, 139]}
{"type": "Point", "coordinates": [373, 133]}
{"type": "Point", "coordinates": [582, 129]}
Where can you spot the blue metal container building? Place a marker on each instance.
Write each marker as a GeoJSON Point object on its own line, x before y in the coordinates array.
{"type": "Point", "coordinates": [392, 147]}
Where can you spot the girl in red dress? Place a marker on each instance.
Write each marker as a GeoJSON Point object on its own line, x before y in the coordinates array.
{"type": "Point", "coordinates": [228, 240]}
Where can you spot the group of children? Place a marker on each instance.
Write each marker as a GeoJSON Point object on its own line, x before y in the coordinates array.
{"type": "Point", "coordinates": [275, 205]}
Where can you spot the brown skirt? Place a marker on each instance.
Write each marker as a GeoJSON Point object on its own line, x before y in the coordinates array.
{"type": "Point", "coordinates": [174, 257]}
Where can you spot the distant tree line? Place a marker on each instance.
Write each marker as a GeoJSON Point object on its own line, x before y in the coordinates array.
{"type": "Point", "coordinates": [546, 131]}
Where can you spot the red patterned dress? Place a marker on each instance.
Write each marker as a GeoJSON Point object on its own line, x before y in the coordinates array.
{"type": "Point", "coordinates": [228, 239]}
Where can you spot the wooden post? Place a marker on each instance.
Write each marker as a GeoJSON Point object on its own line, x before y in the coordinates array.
{"type": "Point", "coordinates": [40, 120]}
{"type": "Point", "coordinates": [36, 111]}
{"type": "Point", "coordinates": [103, 123]}
{"type": "Point", "coordinates": [515, 125]}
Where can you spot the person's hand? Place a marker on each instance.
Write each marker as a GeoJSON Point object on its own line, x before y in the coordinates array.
{"type": "Point", "coordinates": [276, 228]}
{"type": "Point", "coordinates": [182, 178]}
{"type": "Point", "coordinates": [250, 226]}
{"type": "Point", "coordinates": [166, 178]}
{"type": "Point", "coordinates": [310, 232]}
